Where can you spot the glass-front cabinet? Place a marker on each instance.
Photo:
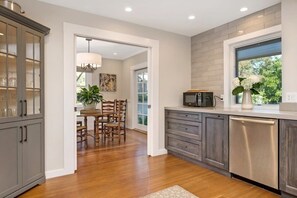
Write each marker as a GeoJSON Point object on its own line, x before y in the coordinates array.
{"type": "Point", "coordinates": [9, 70]}
{"type": "Point", "coordinates": [20, 71]}
{"type": "Point", "coordinates": [32, 100]}
{"type": "Point", "coordinates": [21, 103]}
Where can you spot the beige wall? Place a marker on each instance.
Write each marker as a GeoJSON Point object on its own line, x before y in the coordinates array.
{"type": "Point", "coordinates": [127, 64]}
{"type": "Point", "coordinates": [289, 46]}
{"type": "Point", "coordinates": [110, 66]}
{"type": "Point", "coordinates": [175, 57]}
{"type": "Point", "coordinates": [208, 53]}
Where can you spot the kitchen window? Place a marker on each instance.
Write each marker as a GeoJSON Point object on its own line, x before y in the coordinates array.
{"type": "Point", "coordinates": [263, 59]}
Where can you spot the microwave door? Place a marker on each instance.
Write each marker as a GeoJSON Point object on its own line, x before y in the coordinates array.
{"type": "Point", "coordinates": [191, 99]}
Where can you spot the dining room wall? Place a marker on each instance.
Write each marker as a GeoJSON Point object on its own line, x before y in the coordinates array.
{"type": "Point", "coordinates": [110, 66]}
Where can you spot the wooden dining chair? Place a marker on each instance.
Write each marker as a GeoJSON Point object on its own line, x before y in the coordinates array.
{"type": "Point", "coordinates": [81, 134]}
{"type": "Point", "coordinates": [113, 129]}
{"type": "Point", "coordinates": [121, 105]}
{"type": "Point", "coordinates": [106, 108]}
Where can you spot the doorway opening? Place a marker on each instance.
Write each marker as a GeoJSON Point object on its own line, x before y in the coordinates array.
{"type": "Point", "coordinates": [117, 61]}
{"type": "Point", "coordinates": [70, 32]}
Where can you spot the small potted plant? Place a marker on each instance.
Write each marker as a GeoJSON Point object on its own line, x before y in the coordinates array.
{"type": "Point", "coordinates": [248, 86]}
{"type": "Point", "coordinates": [89, 96]}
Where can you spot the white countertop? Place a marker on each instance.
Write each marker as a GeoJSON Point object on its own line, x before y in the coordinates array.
{"type": "Point", "coordinates": [290, 115]}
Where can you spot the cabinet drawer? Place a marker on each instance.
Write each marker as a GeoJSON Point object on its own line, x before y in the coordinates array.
{"type": "Point", "coordinates": [190, 116]}
{"type": "Point", "coordinates": [183, 146]}
{"type": "Point", "coordinates": [184, 128]}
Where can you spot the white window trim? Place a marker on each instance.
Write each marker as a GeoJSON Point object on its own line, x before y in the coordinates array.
{"type": "Point", "coordinates": [229, 60]}
{"type": "Point", "coordinates": [88, 81]}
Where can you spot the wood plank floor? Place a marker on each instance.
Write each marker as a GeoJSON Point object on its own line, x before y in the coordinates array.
{"type": "Point", "coordinates": [113, 170]}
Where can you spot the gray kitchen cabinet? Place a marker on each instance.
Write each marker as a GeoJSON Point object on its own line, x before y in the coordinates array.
{"type": "Point", "coordinates": [21, 154]}
{"type": "Point", "coordinates": [21, 103]}
{"type": "Point", "coordinates": [10, 155]}
{"type": "Point", "coordinates": [288, 157]}
{"type": "Point", "coordinates": [183, 133]}
{"type": "Point", "coordinates": [33, 151]}
{"type": "Point", "coordinates": [215, 140]}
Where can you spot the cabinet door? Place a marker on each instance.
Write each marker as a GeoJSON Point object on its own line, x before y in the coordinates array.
{"type": "Point", "coordinates": [33, 73]}
{"type": "Point", "coordinates": [33, 152]}
{"type": "Point", "coordinates": [288, 156]}
{"type": "Point", "coordinates": [215, 140]}
{"type": "Point", "coordinates": [9, 70]}
{"type": "Point", "coordinates": [10, 155]}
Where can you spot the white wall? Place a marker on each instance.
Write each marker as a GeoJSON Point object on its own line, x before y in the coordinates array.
{"type": "Point", "coordinates": [289, 46]}
{"type": "Point", "coordinates": [174, 68]}
{"type": "Point", "coordinates": [127, 64]}
{"type": "Point", "coordinates": [110, 66]}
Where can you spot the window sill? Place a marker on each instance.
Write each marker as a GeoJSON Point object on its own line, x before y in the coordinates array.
{"type": "Point", "coordinates": [259, 107]}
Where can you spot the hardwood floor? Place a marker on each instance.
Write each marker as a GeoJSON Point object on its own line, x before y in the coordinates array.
{"type": "Point", "coordinates": [113, 170]}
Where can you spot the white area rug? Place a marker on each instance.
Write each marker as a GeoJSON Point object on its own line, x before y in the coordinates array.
{"type": "Point", "coordinates": [171, 192]}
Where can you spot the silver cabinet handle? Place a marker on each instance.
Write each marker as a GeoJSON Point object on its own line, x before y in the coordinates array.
{"type": "Point", "coordinates": [269, 122]}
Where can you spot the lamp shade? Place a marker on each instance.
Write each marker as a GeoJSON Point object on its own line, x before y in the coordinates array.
{"type": "Point", "coordinates": [89, 60]}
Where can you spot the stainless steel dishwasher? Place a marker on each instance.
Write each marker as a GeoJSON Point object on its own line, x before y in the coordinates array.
{"type": "Point", "coordinates": [254, 149]}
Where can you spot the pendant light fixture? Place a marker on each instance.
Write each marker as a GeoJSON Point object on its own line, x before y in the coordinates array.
{"type": "Point", "coordinates": [89, 61]}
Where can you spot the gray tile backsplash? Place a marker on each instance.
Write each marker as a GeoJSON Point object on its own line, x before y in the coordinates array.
{"type": "Point", "coordinates": [207, 48]}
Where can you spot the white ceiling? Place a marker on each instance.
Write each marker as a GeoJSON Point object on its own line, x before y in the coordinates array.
{"type": "Point", "coordinates": [170, 15]}
{"type": "Point", "coordinates": [107, 49]}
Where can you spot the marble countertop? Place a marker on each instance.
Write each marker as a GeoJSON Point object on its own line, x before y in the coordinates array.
{"type": "Point", "coordinates": [290, 115]}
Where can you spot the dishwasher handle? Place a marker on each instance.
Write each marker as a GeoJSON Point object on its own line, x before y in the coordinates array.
{"type": "Point", "coordinates": [268, 122]}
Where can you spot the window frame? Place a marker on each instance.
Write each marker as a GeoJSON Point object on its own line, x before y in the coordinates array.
{"type": "Point", "coordinates": [276, 40]}
{"type": "Point", "coordinates": [229, 61]}
{"type": "Point", "coordinates": [88, 80]}
{"type": "Point", "coordinates": [85, 79]}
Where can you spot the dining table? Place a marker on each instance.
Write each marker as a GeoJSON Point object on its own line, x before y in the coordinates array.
{"type": "Point", "coordinates": [97, 114]}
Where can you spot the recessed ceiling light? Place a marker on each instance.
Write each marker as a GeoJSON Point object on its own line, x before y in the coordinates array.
{"type": "Point", "coordinates": [240, 32]}
{"type": "Point", "coordinates": [191, 17]}
{"type": "Point", "coordinates": [128, 9]}
{"type": "Point", "coordinates": [115, 53]}
{"type": "Point", "coordinates": [1, 34]}
{"type": "Point", "coordinates": [243, 9]}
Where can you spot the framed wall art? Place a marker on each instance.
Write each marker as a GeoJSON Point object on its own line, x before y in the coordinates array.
{"type": "Point", "coordinates": [108, 82]}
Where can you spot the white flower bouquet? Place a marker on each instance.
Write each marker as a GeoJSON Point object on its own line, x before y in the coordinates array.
{"type": "Point", "coordinates": [252, 83]}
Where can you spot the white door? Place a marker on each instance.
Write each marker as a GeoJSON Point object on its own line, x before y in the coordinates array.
{"type": "Point", "coordinates": [141, 98]}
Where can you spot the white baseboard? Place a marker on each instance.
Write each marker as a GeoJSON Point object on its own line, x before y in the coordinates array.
{"type": "Point", "coordinates": [57, 173]}
{"type": "Point", "coordinates": [62, 172]}
{"type": "Point", "coordinates": [162, 151]}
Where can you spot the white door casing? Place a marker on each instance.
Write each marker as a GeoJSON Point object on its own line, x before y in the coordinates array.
{"type": "Point", "coordinates": [70, 32]}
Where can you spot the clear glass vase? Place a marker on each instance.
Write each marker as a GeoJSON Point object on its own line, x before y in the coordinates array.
{"type": "Point", "coordinates": [247, 102]}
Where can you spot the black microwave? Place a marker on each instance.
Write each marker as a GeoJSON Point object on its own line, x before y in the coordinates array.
{"type": "Point", "coordinates": [198, 99]}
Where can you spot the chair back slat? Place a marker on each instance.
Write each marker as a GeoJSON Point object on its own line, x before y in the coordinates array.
{"type": "Point", "coordinates": [108, 106]}
{"type": "Point", "coordinates": [121, 107]}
